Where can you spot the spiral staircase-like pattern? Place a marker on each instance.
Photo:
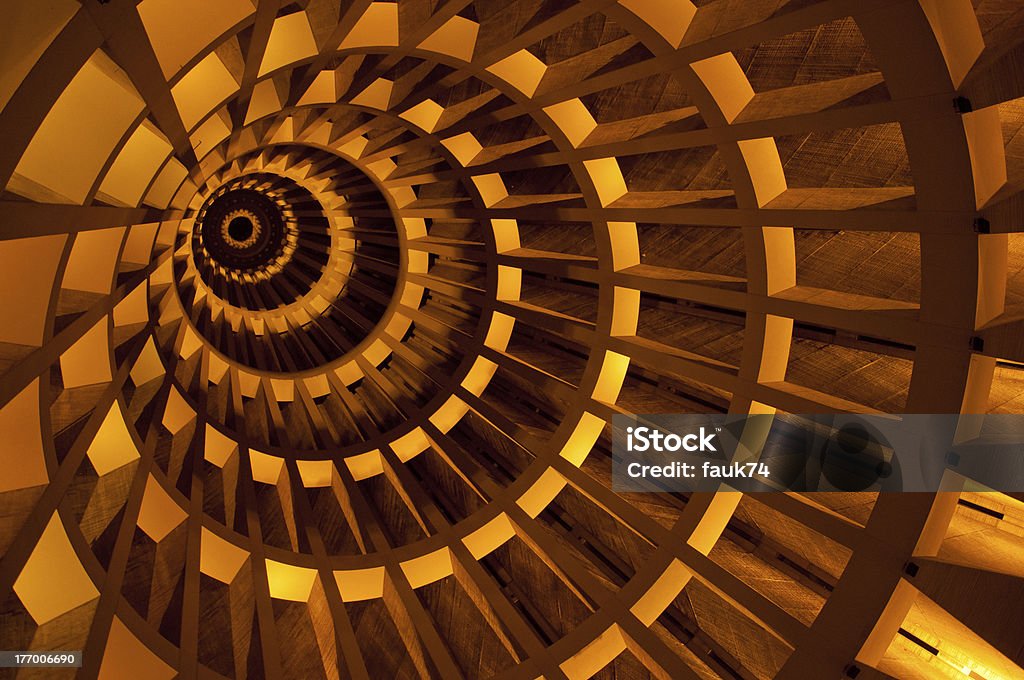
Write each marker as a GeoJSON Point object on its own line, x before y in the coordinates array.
{"type": "Point", "coordinates": [318, 314]}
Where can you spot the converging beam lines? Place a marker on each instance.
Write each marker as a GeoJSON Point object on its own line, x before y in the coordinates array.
{"type": "Point", "coordinates": [22, 219]}
{"type": "Point", "coordinates": [866, 219]}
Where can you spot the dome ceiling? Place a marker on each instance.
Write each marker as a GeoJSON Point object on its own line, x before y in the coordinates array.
{"type": "Point", "coordinates": [318, 314]}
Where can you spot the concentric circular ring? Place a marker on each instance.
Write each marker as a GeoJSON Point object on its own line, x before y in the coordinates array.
{"type": "Point", "coordinates": [241, 229]}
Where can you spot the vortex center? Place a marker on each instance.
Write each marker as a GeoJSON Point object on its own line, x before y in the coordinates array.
{"type": "Point", "coordinates": [240, 229]}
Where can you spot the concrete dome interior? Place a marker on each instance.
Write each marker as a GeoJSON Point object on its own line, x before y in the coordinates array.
{"type": "Point", "coordinates": [317, 314]}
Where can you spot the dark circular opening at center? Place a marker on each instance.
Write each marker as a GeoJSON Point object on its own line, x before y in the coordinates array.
{"type": "Point", "coordinates": [240, 229]}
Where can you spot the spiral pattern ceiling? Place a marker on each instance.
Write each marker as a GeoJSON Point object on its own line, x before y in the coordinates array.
{"type": "Point", "coordinates": [317, 314]}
